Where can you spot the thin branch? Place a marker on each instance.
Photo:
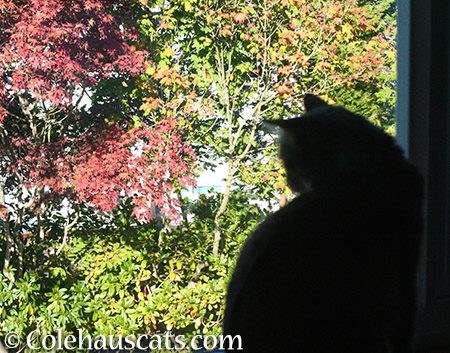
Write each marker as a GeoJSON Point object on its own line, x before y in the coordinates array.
{"type": "Point", "coordinates": [67, 227]}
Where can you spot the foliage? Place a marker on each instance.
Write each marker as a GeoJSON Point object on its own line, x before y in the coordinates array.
{"type": "Point", "coordinates": [118, 276]}
{"type": "Point", "coordinates": [105, 107]}
{"type": "Point", "coordinates": [50, 47]}
{"type": "Point", "coordinates": [224, 67]}
{"type": "Point", "coordinates": [55, 153]}
{"type": "Point", "coordinates": [264, 56]}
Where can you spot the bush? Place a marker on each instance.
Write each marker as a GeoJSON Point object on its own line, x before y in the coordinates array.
{"type": "Point", "coordinates": [117, 276]}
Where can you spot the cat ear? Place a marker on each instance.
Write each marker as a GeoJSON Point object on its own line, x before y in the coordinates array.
{"type": "Point", "coordinates": [311, 101]}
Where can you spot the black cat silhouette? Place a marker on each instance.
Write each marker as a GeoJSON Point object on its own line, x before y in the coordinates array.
{"type": "Point", "coordinates": [334, 270]}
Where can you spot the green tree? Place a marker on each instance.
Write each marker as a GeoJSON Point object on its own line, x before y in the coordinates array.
{"type": "Point", "coordinates": [223, 67]}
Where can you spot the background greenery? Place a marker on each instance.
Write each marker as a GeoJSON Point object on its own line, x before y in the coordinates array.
{"type": "Point", "coordinates": [219, 69]}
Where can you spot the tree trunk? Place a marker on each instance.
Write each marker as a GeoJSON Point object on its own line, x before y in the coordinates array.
{"type": "Point", "coordinates": [185, 221]}
{"type": "Point", "coordinates": [18, 239]}
{"type": "Point", "coordinates": [39, 260]}
{"type": "Point", "coordinates": [19, 243]}
{"type": "Point", "coordinates": [8, 237]}
{"type": "Point", "coordinates": [8, 246]}
{"type": "Point", "coordinates": [222, 208]}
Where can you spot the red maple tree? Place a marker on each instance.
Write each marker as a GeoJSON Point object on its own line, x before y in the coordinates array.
{"type": "Point", "coordinates": [51, 53]}
{"type": "Point", "coordinates": [50, 46]}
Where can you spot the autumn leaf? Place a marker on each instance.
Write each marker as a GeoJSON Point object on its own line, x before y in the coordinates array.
{"type": "Point", "coordinates": [240, 17]}
{"type": "Point", "coordinates": [347, 29]}
{"type": "Point", "coordinates": [169, 52]}
{"type": "Point", "coordinates": [227, 31]}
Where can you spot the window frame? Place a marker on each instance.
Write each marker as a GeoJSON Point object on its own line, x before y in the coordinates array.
{"type": "Point", "coordinates": [423, 121]}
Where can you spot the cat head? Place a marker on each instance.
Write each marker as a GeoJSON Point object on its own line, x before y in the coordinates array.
{"type": "Point", "coordinates": [329, 147]}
